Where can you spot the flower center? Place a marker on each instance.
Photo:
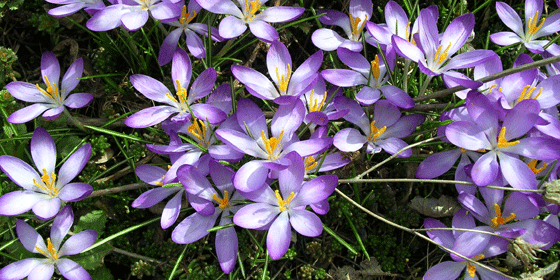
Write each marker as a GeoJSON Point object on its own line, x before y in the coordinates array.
{"type": "Point", "coordinates": [48, 183]}
{"type": "Point", "coordinates": [251, 7]}
{"type": "Point", "coordinates": [502, 142]}
{"type": "Point", "coordinates": [440, 56]}
{"type": "Point", "coordinates": [532, 26]}
{"type": "Point", "coordinates": [282, 204]}
{"type": "Point", "coordinates": [224, 202]}
{"type": "Point", "coordinates": [283, 80]}
{"type": "Point", "coordinates": [198, 129]}
{"type": "Point", "coordinates": [182, 94]}
{"type": "Point", "coordinates": [357, 25]}
{"type": "Point", "coordinates": [271, 144]}
{"type": "Point", "coordinates": [533, 166]}
{"type": "Point", "coordinates": [528, 93]}
{"type": "Point", "coordinates": [375, 71]}
{"type": "Point", "coordinates": [186, 17]}
{"type": "Point", "coordinates": [313, 106]}
{"type": "Point", "coordinates": [499, 220]}
{"type": "Point", "coordinates": [309, 163]}
{"type": "Point", "coordinates": [51, 92]}
{"type": "Point", "coordinates": [375, 132]}
{"type": "Point", "coordinates": [471, 269]}
{"type": "Point", "coordinates": [51, 254]}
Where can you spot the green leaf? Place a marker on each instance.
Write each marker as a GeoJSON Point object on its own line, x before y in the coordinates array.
{"type": "Point", "coordinates": [92, 258]}
{"type": "Point", "coordinates": [101, 273]}
{"type": "Point", "coordinates": [17, 252]}
{"type": "Point", "coordinates": [93, 220]}
{"type": "Point", "coordinates": [67, 145]}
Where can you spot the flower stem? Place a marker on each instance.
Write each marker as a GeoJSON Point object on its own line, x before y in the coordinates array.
{"type": "Point", "coordinates": [74, 121]}
{"type": "Point", "coordinates": [425, 85]}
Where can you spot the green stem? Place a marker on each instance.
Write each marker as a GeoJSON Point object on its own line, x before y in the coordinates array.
{"type": "Point", "coordinates": [74, 121]}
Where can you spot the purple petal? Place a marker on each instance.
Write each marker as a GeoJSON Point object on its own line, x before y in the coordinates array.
{"type": "Point", "coordinates": [241, 142]}
{"type": "Point", "coordinates": [343, 77]}
{"type": "Point", "coordinates": [61, 225]}
{"type": "Point", "coordinates": [291, 178]}
{"type": "Point", "coordinates": [368, 95]}
{"type": "Point", "coordinates": [66, 10]}
{"type": "Point", "coordinates": [75, 192]}
{"type": "Point", "coordinates": [150, 174]}
{"type": "Point", "coordinates": [510, 17]}
{"type": "Point", "coordinates": [28, 113]}
{"type": "Point", "coordinates": [251, 176]}
{"type": "Point", "coordinates": [226, 248]}
{"type": "Point", "coordinates": [316, 190]}
{"type": "Point", "coordinates": [516, 172]}
{"type": "Point", "coordinates": [43, 151]}
{"type": "Point", "coordinates": [171, 211]}
{"type": "Point", "coordinates": [466, 135]}
{"type": "Point", "coordinates": [50, 68]}
{"type": "Point", "coordinates": [393, 145]}
{"type": "Point", "coordinates": [74, 165]}
{"type": "Point", "coordinates": [203, 85]}
{"type": "Point", "coordinates": [287, 119]}
{"type": "Point", "coordinates": [231, 27]}
{"type": "Point", "coordinates": [475, 207]}
{"type": "Point", "coordinates": [181, 70]}
{"type": "Point", "coordinates": [407, 50]}
{"type": "Point", "coordinates": [78, 100]}
{"type": "Point", "coordinates": [133, 21]}
{"type": "Point", "coordinates": [505, 38]}
{"type": "Point", "coordinates": [263, 31]}
{"type": "Point", "coordinates": [278, 60]}
{"type": "Point", "coordinates": [107, 18]}
{"type": "Point", "coordinates": [326, 39]}
{"type": "Point", "coordinates": [485, 169]}
{"type": "Point", "coordinates": [470, 244]}
{"type": "Point", "coordinates": [281, 14]}
{"type": "Point", "coordinates": [193, 228]}
{"type": "Point", "coordinates": [397, 96]}
{"type": "Point", "coordinates": [151, 88]}
{"type": "Point", "coordinates": [256, 83]}
{"type": "Point", "coordinates": [153, 197]}
{"type": "Point", "coordinates": [349, 140]}
{"type": "Point", "coordinates": [42, 271]}
{"type": "Point", "coordinates": [71, 270]}
{"type": "Point", "coordinates": [150, 116]}
{"type": "Point", "coordinates": [169, 46]}
{"type": "Point", "coordinates": [18, 202]}
{"type": "Point", "coordinates": [538, 232]}
{"type": "Point", "coordinates": [72, 75]}
{"type": "Point", "coordinates": [256, 215]}
{"type": "Point", "coordinates": [165, 11]}
{"type": "Point", "coordinates": [46, 208]}
{"type": "Point", "coordinates": [306, 223]}
{"type": "Point", "coordinates": [445, 271]}
{"type": "Point", "coordinates": [29, 237]}
{"type": "Point", "coordinates": [19, 269]}
{"type": "Point", "coordinates": [521, 205]}
{"type": "Point", "coordinates": [26, 92]}
{"type": "Point", "coordinates": [53, 113]}
{"type": "Point", "coordinates": [437, 164]}
{"type": "Point", "coordinates": [208, 112]}
{"type": "Point", "coordinates": [310, 146]}
{"type": "Point", "coordinates": [279, 236]}
{"type": "Point", "coordinates": [221, 7]}
{"type": "Point", "coordinates": [78, 243]}
{"type": "Point", "coordinates": [195, 44]}
{"type": "Point", "coordinates": [457, 33]}
{"type": "Point", "coordinates": [195, 182]}
{"type": "Point", "coordinates": [468, 59]}
{"type": "Point", "coordinates": [19, 172]}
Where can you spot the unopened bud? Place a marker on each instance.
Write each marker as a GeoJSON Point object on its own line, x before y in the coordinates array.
{"type": "Point", "coordinates": [525, 252]}
{"type": "Point", "coordinates": [552, 192]}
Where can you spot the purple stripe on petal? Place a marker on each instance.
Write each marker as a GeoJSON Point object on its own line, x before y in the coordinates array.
{"type": "Point", "coordinates": [510, 17]}
{"type": "Point", "coordinates": [202, 85]}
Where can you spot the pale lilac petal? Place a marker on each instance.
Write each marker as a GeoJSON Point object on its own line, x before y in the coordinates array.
{"type": "Point", "coordinates": [43, 151]}
{"type": "Point", "coordinates": [195, 44]}
{"type": "Point", "coordinates": [468, 59]}
{"type": "Point", "coordinates": [291, 178]}
{"type": "Point", "coordinates": [380, 33]}
{"type": "Point", "coordinates": [277, 60]}
{"type": "Point", "coordinates": [50, 68]}
{"type": "Point", "coordinates": [28, 113]}
{"type": "Point", "coordinates": [133, 21]}
{"type": "Point", "coordinates": [310, 146]}
{"type": "Point", "coordinates": [74, 165]}
{"type": "Point", "coordinates": [19, 269]}
{"type": "Point", "coordinates": [42, 271]}
{"type": "Point", "coordinates": [78, 100]}
{"type": "Point", "coordinates": [193, 228]}
{"type": "Point", "coordinates": [195, 182]}
{"type": "Point", "coordinates": [437, 164]}
{"type": "Point", "coordinates": [351, 45]}
{"type": "Point", "coordinates": [397, 96]}
{"type": "Point", "coordinates": [316, 190]}
{"type": "Point", "coordinates": [61, 225]}
{"type": "Point", "coordinates": [226, 7]}
{"type": "Point", "coordinates": [71, 77]}
{"type": "Point", "coordinates": [263, 31]}
{"type": "Point", "coordinates": [29, 237]}
{"type": "Point", "coordinates": [256, 83]}
{"type": "Point", "coordinates": [355, 115]}
{"type": "Point", "coordinates": [470, 244]}
{"type": "Point", "coordinates": [171, 211]}
{"type": "Point", "coordinates": [304, 77]}
{"type": "Point", "coordinates": [251, 176]}
{"type": "Point", "coordinates": [279, 236]}
{"type": "Point", "coordinates": [343, 77]}
{"type": "Point", "coordinates": [396, 18]}
{"type": "Point", "coordinates": [150, 116]}
{"type": "Point", "coordinates": [349, 140]}
{"type": "Point", "coordinates": [19, 172]}
{"type": "Point", "coordinates": [202, 85]}
{"type": "Point", "coordinates": [475, 207]}
{"type": "Point", "coordinates": [536, 148]}
{"type": "Point", "coordinates": [18, 202]}
{"type": "Point", "coordinates": [516, 172]}
{"type": "Point", "coordinates": [75, 192]}
{"type": "Point", "coordinates": [306, 223]}
{"type": "Point", "coordinates": [241, 142]}
{"type": "Point", "coordinates": [466, 135]}
{"type": "Point", "coordinates": [457, 33]}
{"type": "Point", "coordinates": [521, 205]}
{"type": "Point", "coordinates": [71, 270]}
{"type": "Point", "coordinates": [26, 92]}
{"type": "Point", "coordinates": [281, 14]}
{"type": "Point", "coordinates": [165, 11]}
{"type": "Point", "coordinates": [256, 215]}
{"type": "Point", "coordinates": [334, 17]}
{"type": "Point", "coordinates": [231, 27]}
{"type": "Point", "coordinates": [152, 197]}
{"type": "Point", "coordinates": [169, 46]}
{"type": "Point", "coordinates": [66, 10]}
{"type": "Point", "coordinates": [181, 70]}
{"type": "Point", "coordinates": [46, 208]}
{"type": "Point", "coordinates": [393, 145]}
{"type": "Point", "coordinates": [551, 25]}
{"type": "Point", "coordinates": [505, 38]}
{"type": "Point", "coordinates": [510, 17]}
{"type": "Point", "coordinates": [407, 50]}
{"type": "Point", "coordinates": [78, 243]}
{"type": "Point", "coordinates": [531, 7]}
{"type": "Point", "coordinates": [368, 95]}
{"type": "Point", "coordinates": [53, 113]}
{"type": "Point", "coordinates": [453, 78]}
{"type": "Point", "coordinates": [226, 247]}
{"type": "Point", "coordinates": [485, 169]}
{"type": "Point", "coordinates": [107, 18]}
{"type": "Point", "coordinates": [150, 174]}
{"type": "Point", "coordinates": [151, 88]}
{"type": "Point", "coordinates": [355, 61]}
{"type": "Point", "coordinates": [326, 39]}
{"type": "Point", "coordinates": [445, 271]}
{"type": "Point", "coordinates": [427, 33]}
{"type": "Point", "coordinates": [287, 119]}
{"type": "Point", "coordinates": [538, 232]}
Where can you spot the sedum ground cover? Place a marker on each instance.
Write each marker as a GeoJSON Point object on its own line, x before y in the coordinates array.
{"type": "Point", "coordinates": [219, 139]}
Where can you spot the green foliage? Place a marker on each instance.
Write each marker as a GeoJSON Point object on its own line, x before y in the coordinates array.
{"type": "Point", "coordinates": [45, 23]}
{"type": "Point", "coordinates": [92, 259]}
{"type": "Point", "coordinates": [94, 220]}
{"type": "Point", "coordinates": [101, 273]}
{"type": "Point", "coordinates": [7, 73]}
{"type": "Point", "coordinates": [98, 145]}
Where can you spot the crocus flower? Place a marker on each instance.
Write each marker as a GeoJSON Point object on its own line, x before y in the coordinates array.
{"type": "Point", "coordinates": [382, 133]}
{"type": "Point", "coordinates": [41, 268]}
{"type": "Point", "coordinates": [181, 71]}
{"type": "Point", "coordinates": [70, 7]}
{"type": "Point", "coordinates": [286, 87]}
{"type": "Point", "coordinates": [270, 152]}
{"type": "Point", "coordinates": [319, 106]}
{"type": "Point", "coordinates": [535, 26]}
{"type": "Point", "coordinates": [353, 24]}
{"type": "Point", "coordinates": [373, 75]}
{"type": "Point", "coordinates": [132, 14]}
{"type": "Point", "coordinates": [195, 226]}
{"type": "Point", "coordinates": [185, 25]}
{"type": "Point", "coordinates": [251, 14]}
{"type": "Point", "coordinates": [51, 100]}
{"type": "Point", "coordinates": [434, 53]}
{"type": "Point", "coordinates": [43, 193]}
{"type": "Point", "coordinates": [284, 209]}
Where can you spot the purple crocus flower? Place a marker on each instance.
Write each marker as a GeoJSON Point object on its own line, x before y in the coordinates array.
{"type": "Point", "coordinates": [370, 74]}
{"type": "Point", "coordinates": [72, 6]}
{"type": "Point", "coordinates": [382, 133]}
{"type": "Point", "coordinates": [251, 14]}
{"type": "Point", "coordinates": [132, 14]}
{"type": "Point", "coordinates": [254, 141]}
{"type": "Point", "coordinates": [195, 226]}
{"type": "Point", "coordinates": [40, 268]}
{"type": "Point", "coordinates": [319, 106]}
{"type": "Point", "coordinates": [434, 52]}
{"type": "Point", "coordinates": [286, 87]}
{"type": "Point", "coordinates": [517, 206]}
{"type": "Point", "coordinates": [181, 71]}
{"type": "Point", "coordinates": [51, 100]}
{"type": "Point", "coordinates": [284, 209]}
{"type": "Point", "coordinates": [353, 24]}
{"type": "Point", "coordinates": [473, 245]}
{"type": "Point", "coordinates": [43, 193]}
{"type": "Point", "coordinates": [535, 26]}
{"type": "Point", "coordinates": [193, 41]}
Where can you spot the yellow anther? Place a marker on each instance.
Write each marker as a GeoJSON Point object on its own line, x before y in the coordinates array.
{"type": "Point", "coordinates": [251, 7]}
{"type": "Point", "coordinates": [313, 106]}
{"type": "Point", "coordinates": [499, 220]}
{"type": "Point", "coordinates": [51, 254]}
{"type": "Point", "coordinates": [272, 143]}
{"type": "Point", "coordinates": [198, 129]}
{"type": "Point", "coordinates": [357, 24]}
{"type": "Point", "coordinates": [375, 132]}
{"type": "Point", "coordinates": [186, 17]}
{"type": "Point", "coordinates": [463, 150]}
{"type": "Point", "coordinates": [532, 27]}
{"type": "Point", "coordinates": [527, 93]}
{"type": "Point", "coordinates": [481, 151]}
{"type": "Point", "coordinates": [282, 204]}
{"type": "Point", "coordinates": [309, 163]}
{"type": "Point", "coordinates": [224, 202]}
{"type": "Point", "coordinates": [52, 90]}
{"type": "Point", "coordinates": [375, 67]}
{"type": "Point", "coordinates": [283, 81]}
{"type": "Point", "coordinates": [441, 56]}
{"type": "Point", "coordinates": [502, 142]}
{"type": "Point", "coordinates": [49, 182]}
{"type": "Point", "coordinates": [408, 31]}
{"type": "Point", "coordinates": [533, 166]}
{"type": "Point", "coordinates": [492, 87]}
{"type": "Point", "coordinates": [471, 268]}
{"type": "Point", "coordinates": [181, 92]}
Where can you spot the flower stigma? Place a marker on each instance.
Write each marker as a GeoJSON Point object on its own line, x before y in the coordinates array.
{"type": "Point", "coordinates": [182, 94]}
{"type": "Point", "coordinates": [52, 90]}
{"type": "Point", "coordinates": [471, 269]}
{"type": "Point", "coordinates": [51, 254]}
{"type": "Point", "coordinates": [283, 80]}
{"type": "Point", "coordinates": [375, 67]}
{"type": "Point", "coordinates": [533, 166]}
{"type": "Point", "coordinates": [271, 144]}
{"type": "Point", "coordinates": [309, 163]}
{"type": "Point", "coordinates": [49, 183]}
{"type": "Point", "coordinates": [224, 202]}
{"type": "Point", "coordinates": [375, 132]}
{"type": "Point", "coordinates": [499, 220]}
{"type": "Point", "coordinates": [282, 204]}
{"type": "Point", "coordinates": [186, 17]}
{"type": "Point", "coordinates": [440, 56]}
{"type": "Point", "coordinates": [251, 7]}
{"type": "Point", "coordinates": [502, 142]}
{"type": "Point", "coordinates": [313, 106]}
